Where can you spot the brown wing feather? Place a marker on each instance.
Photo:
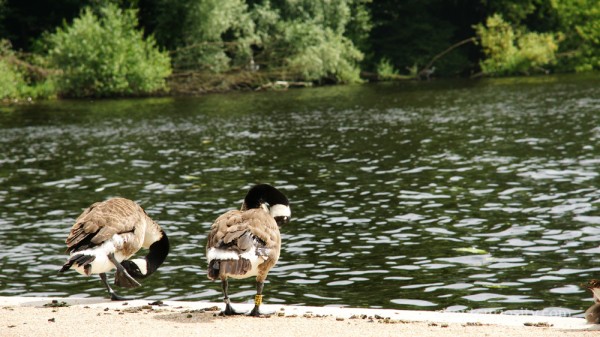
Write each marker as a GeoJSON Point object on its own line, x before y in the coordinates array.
{"type": "Point", "coordinates": [233, 224]}
{"type": "Point", "coordinates": [238, 231]}
{"type": "Point", "coordinates": [101, 221]}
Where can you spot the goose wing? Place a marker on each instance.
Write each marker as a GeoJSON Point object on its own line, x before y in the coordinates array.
{"type": "Point", "coordinates": [240, 231]}
{"type": "Point", "coordinates": [101, 221]}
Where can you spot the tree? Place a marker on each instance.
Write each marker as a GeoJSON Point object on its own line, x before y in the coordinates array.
{"type": "Point", "coordinates": [307, 39]}
{"type": "Point", "coordinates": [409, 33]}
{"type": "Point", "coordinates": [217, 35]}
{"type": "Point", "coordinates": [24, 21]}
{"type": "Point", "coordinates": [579, 23]}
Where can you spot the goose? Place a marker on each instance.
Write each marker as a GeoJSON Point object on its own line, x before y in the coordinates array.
{"type": "Point", "coordinates": [106, 234]}
{"type": "Point", "coordinates": [247, 242]}
{"type": "Point", "coordinates": [592, 314]}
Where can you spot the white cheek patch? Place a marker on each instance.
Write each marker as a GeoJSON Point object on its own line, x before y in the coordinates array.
{"type": "Point", "coordinates": [142, 264]}
{"type": "Point", "coordinates": [280, 210]}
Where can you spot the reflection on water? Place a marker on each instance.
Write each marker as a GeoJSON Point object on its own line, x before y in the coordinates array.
{"type": "Point", "coordinates": [442, 195]}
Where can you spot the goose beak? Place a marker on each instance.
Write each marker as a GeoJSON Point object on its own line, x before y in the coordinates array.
{"type": "Point", "coordinates": [282, 220]}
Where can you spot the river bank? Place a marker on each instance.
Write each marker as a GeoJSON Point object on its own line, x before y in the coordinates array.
{"type": "Point", "coordinates": [38, 316]}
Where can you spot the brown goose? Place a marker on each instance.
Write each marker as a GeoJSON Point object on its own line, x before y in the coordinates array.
{"type": "Point", "coordinates": [592, 314]}
{"type": "Point", "coordinates": [109, 232]}
{"type": "Point", "coordinates": [247, 242]}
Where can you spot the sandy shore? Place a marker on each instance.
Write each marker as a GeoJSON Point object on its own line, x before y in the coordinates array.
{"type": "Point", "coordinates": [36, 316]}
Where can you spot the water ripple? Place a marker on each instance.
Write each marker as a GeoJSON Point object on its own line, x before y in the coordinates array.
{"type": "Point", "coordinates": [437, 195]}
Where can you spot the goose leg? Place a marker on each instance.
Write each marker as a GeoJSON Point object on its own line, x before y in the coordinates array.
{"type": "Point", "coordinates": [122, 277]}
{"type": "Point", "coordinates": [258, 301]}
{"type": "Point", "coordinates": [113, 294]}
{"type": "Point", "coordinates": [228, 308]}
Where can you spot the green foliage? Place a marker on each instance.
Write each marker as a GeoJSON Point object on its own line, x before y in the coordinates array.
{"type": "Point", "coordinates": [106, 55]}
{"type": "Point", "coordinates": [15, 81]}
{"type": "Point", "coordinates": [360, 24]}
{"type": "Point", "coordinates": [298, 39]}
{"type": "Point", "coordinates": [216, 34]}
{"type": "Point", "coordinates": [104, 52]}
{"type": "Point", "coordinates": [510, 52]}
{"type": "Point", "coordinates": [579, 22]}
{"type": "Point", "coordinates": [319, 54]}
{"type": "Point", "coordinates": [385, 69]}
{"type": "Point", "coordinates": [11, 81]}
{"type": "Point", "coordinates": [307, 39]}
{"type": "Point", "coordinates": [515, 11]}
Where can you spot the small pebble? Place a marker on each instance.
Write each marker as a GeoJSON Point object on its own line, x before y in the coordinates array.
{"type": "Point", "coordinates": [159, 303]}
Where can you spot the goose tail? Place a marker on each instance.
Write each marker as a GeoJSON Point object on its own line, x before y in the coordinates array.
{"type": "Point", "coordinates": [79, 260]}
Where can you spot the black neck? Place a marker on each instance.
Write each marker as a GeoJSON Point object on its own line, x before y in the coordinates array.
{"type": "Point", "coordinates": [158, 253]}
{"type": "Point", "coordinates": [263, 193]}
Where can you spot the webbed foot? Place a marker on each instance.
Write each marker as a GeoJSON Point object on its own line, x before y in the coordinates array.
{"type": "Point", "coordinates": [115, 297]}
{"type": "Point", "coordinates": [229, 311]}
{"type": "Point", "coordinates": [257, 313]}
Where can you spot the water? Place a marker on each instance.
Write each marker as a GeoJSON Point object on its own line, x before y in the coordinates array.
{"type": "Point", "coordinates": [446, 195]}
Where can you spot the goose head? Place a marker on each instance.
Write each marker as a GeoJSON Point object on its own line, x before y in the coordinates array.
{"type": "Point", "coordinates": [138, 268]}
{"type": "Point", "coordinates": [158, 251]}
{"type": "Point", "coordinates": [271, 200]}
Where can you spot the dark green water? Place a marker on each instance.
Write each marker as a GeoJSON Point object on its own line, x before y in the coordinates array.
{"type": "Point", "coordinates": [441, 195]}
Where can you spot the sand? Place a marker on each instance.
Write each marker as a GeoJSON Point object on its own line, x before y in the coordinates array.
{"type": "Point", "coordinates": [35, 316]}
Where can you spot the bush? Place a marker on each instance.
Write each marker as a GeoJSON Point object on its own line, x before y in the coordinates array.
{"type": "Point", "coordinates": [10, 81]}
{"type": "Point", "coordinates": [15, 80]}
{"type": "Point", "coordinates": [320, 54]}
{"type": "Point", "coordinates": [105, 56]}
{"type": "Point", "coordinates": [307, 41]}
{"type": "Point", "coordinates": [217, 35]}
{"type": "Point", "coordinates": [386, 71]}
{"type": "Point", "coordinates": [510, 52]}
{"type": "Point", "coordinates": [302, 40]}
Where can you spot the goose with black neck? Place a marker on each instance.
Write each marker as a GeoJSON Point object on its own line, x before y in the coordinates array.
{"type": "Point", "coordinates": [108, 233]}
{"type": "Point", "coordinates": [245, 243]}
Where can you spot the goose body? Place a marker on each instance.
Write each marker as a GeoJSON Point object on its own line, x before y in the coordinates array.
{"type": "Point", "coordinates": [108, 233]}
{"type": "Point", "coordinates": [243, 244]}
{"type": "Point", "coordinates": [592, 314]}
{"type": "Point", "coordinates": [246, 243]}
